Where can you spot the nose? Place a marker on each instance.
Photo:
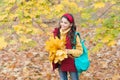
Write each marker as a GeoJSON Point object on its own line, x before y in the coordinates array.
{"type": "Point", "coordinates": [62, 24]}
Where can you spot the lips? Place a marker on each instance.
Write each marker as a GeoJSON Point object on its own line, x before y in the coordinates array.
{"type": "Point", "coordinates": [63, 27]}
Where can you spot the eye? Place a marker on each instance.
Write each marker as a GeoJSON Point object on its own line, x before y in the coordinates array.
{"type": "Point", "coordinates": [61, 21]}
{"type": "Point", "coordinates": [65, 22]}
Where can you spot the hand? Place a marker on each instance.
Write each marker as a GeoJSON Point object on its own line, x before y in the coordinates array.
{"type": "Point", "coordinates": [69, 55]}
{"type": "Point", "coordinates": [60, 56]}
{"type": "Point", "coordinates": [60, 52]}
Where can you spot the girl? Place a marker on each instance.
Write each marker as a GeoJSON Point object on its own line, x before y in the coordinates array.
{"type": "Point", "coordinates": [66, 30]}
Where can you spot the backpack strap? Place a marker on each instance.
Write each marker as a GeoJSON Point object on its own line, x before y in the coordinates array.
{"type": "Point", "coordinates": [74, 41]}
{"type": "Point", "coordinates": [77, 33]}
{"type": "Point", "coordinates": [81, 40]}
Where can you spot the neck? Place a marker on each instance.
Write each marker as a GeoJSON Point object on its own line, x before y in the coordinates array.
{"type": "Point", "coordinates": [64, 30]}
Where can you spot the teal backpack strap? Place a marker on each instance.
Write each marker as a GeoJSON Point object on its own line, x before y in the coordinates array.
{"type": "Point", "coordinates": [77, 34]}
{"type": "Point", "coordinates": [81, 41]}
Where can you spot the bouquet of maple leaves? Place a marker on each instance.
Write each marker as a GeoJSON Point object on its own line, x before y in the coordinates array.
{"type": "Point", "coordinates": [56, 49]}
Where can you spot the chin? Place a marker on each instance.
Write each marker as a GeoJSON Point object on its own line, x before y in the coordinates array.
{"type": "Point", "coordinates": [63, 28]}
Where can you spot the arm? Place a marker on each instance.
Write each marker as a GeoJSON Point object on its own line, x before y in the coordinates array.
{"type": "Point", "coordinates": [78, 51]}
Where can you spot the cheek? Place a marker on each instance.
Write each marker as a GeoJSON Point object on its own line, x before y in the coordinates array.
{"type": "Point", "coordinates": [61, 24]}
{"type": "Point", "coordinates": [67, 25]}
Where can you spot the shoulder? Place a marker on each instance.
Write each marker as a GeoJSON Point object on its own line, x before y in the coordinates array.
{"type": "Point", "coordinates": [55, 31]}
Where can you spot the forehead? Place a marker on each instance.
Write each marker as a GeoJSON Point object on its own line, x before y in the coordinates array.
{"type": "Point", "coordinates": [64, 19]}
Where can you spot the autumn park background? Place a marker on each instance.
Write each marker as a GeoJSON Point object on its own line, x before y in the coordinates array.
{"type": "Point", "coordinates": [25, 25]}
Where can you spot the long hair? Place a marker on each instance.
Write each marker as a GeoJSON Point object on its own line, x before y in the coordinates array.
{"type": "Point", "coordinates": [72, 31]}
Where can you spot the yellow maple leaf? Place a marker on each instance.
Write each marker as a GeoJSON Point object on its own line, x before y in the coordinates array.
{"type": "Point", "coordinates": [106, 39]}
{"type": "Point", "coordinates": [60, 56]}
{"type": "Point", "coordinates": [111, 43]}
{"type": "Point", "coordinates": [59, 8]}
{"type": "Point", "coordinates": [3, 16]}
{"type": "Point", "coordinates": [24, 39]}
{"type": "Point", "coordinates": [19, 28]}
{"type": "Point", "coordinates": [51, 56]}
{"type": "Point", "coordinates": [3, 43]}
{"type": "Point", "coordinates": [99, 5]}
{"type": "Point", "coordinates": [44, 25]}
{"type": "Point", "coordinates": [52, 46]}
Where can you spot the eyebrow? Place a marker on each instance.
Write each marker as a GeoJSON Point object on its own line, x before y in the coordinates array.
{"type": "Point", "coordinates": [65, 21]}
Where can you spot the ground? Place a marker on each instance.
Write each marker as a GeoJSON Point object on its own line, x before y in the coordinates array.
{"type": "Point", "coordinates": [33, 64]}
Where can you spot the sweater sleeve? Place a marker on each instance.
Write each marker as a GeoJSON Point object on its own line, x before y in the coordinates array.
{"type": "Point", "coordinates": [78, 51]}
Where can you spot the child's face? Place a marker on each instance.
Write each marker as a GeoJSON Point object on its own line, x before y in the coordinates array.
{"type": "Point", "coordinates": [65, 24]}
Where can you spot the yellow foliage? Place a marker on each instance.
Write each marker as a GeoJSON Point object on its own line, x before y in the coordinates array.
{"type": "Point", "coordinates": [51, 56]}
{"type": "Point", "coordinates": [70, 6]}
{"type": "Point", "coordinates": [97, 47]}
{"type": "Point", "coordinates": [57, 10]}
{"type": "Point", "coordinates": [111, 43]}
{"type": "Point", "coordinates": [80, 8]}
{"type": "Point", "coordinates": [37, 31]}
{"type": "Point", "coordinates": [56, 47]}
{"type": "Point", "coordinates": [26, 13]}
{"type": "Point", "coordinates": [11, 1]}
{"type": "Point", "coordinates": [54, 44]}
{"type": "Point", "coordinates": [12, 16]}
{"type": "Point", "coordinates": [3, 16]}
{"type": "Point", "coordinates": [77, 0]}
{"type": "Point", "coordinates": [59, 7]}
{"type": "Point", "coordinates": [3, 43]}
{"type": "Point", "coordinates": [112, 2]}
{"type": "Point", "coordinates": [99, 21]}
{"type": "Point", "coordinates": [99, 5]}
{"type": "Point", "coordinates": [115, 8]}
{"type": "Point", "coordinates": [60, 55]}
{"type": "Point", "coordinates": [19, 28]}
{"type": "Point", "coordinates": [74, 7]}
{"type": "Point", "coordinates": [13, 42]}
{"type": "Point", "coordinates": [85, 15]}
{"type": "Point", "coordinates": [106, 39]}
{"type": "Point", "coordinates": [24, 39]}
{"type": "Point", "coordinates": [44, 25]}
